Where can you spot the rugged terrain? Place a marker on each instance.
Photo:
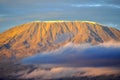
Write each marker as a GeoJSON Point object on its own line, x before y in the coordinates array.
{"type": "Point", "coordinates": [35, 37]}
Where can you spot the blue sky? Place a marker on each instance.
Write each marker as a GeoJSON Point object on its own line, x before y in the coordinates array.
{"type": "Point", "coordinates": [16, 12]}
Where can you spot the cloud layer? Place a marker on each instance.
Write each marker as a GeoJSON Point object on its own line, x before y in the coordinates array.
{"type": "Point", "coordinates": [74, 60]}
{"type": "Point", "coordinates": [106, 54]}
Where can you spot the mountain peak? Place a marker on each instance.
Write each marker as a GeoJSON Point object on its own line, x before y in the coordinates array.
{"type": "Point", "coordinates": [39, 36]}
{"type": "Point", "coordinates": [56, 21]}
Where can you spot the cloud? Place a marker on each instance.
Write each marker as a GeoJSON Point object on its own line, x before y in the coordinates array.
{"type": "Point", "coordinates": [106, 54]}
{"type": "Point", "coordinates": [96, 5]}
{"type": "Point", "coordinates": [86, 5]}
{"type": "Point", "coordinates": [1, 15]}
{"type": "Point", "coordinates": [61, 72]}
{"type": "Point", "coordinates": [111, 44]}
{"type": "Point", "coordinates": [74, 60]}
{"type": "Point", "coordinates": [110, 24]}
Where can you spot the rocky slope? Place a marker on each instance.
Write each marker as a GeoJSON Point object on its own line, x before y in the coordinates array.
{"type": "Point", "coordinates": [35, 37]}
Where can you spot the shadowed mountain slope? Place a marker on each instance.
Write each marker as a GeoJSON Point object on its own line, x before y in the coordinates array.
{"type": "Point", "coordinates": [35, 37]}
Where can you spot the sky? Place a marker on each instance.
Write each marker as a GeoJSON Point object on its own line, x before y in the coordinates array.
{"type": "Point", "coordinates": [16, 12]}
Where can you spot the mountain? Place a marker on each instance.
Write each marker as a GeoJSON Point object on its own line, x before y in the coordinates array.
{"type": "Point", "coordinates": [35, 37]}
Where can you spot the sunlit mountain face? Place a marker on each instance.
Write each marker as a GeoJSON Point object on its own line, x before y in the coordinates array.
{"type": "Point", "coordinates": [36, 37]}
{"type": "Point", "coordinates": [59, 40]}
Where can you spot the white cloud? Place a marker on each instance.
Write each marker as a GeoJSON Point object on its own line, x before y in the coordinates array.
{"type": "Point", "coordinates": [96, 5]}
{"type": "Point", "coordinates": [86, 5]}
{"type": "Point", "coordinates": [59, 72]}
